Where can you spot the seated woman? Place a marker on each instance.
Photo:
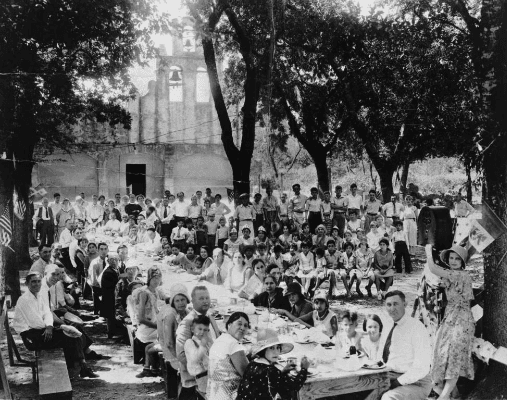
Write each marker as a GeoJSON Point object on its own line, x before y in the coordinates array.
{"type": "Point", "coordinates": [383, 263]}
{"type": "Point", "coordinates": [124, 225]}
{"type": "Point", "coordinates": [239, 273]}
{"type": "Point", "coordinates": [113, 225]}
{"type": "Point", "coordinates": [254, 285]}
{"type": "Point", "coordinates": [272, 297]}
{"type": "Point", "coordinates": [147, 307]}
{"type": "Point", "coordinates": [261, 238]}
{"type": "Point", "coordinates": [123, 291]}
{"type": "Point", "coordinates": [322, 317]}
{"type": "Point", "coordinates": [285, 239]}
{"type": "Point", "coordinates": [300, 307]}
{"type": "Point", "coordinates": [152, 216]}
{"type": "Point", "coordinates": [263, 379]}
{"type": "Point", "coordinates": [372, 326]}
{"type": "Point", "coordinates": [227, 359]}
{"type": "Point", "coordinates": [134, 288]}
{"type": "Point", "coordinates": [205, 255]}
{"type": "Point", "coordinates": [216, 273]}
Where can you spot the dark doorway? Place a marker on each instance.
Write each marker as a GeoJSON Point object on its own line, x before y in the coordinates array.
{"type": "Point", "coordinates": [136, 179]}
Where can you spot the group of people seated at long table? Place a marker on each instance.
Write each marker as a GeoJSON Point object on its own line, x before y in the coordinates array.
{"type": "Point", "coordinates": [292, 267]}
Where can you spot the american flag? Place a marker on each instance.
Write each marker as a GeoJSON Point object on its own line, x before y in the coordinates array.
{"type": "Point", "coordinates": [5, 227]}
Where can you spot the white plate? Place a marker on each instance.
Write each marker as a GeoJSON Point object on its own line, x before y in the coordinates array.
{"type": "Point", "coordinates": [374, 366]}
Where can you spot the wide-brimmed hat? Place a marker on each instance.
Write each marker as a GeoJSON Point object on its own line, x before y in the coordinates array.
{"type": "Point", "coordinates": [460, 251]}
{"type": "Point", "coordinates": [294, 288]}
{"type": "Point", "coordinates": [176, 289]}
{"type": "Point", "coordinates": [267, 338]}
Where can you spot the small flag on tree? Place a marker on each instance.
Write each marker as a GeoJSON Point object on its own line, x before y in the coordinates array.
{"type": "Point", "coordinates": [19, 205]}
{"type": "Point", "coordinates": [230, 195]}
{"type": "Point", "coordinates": [6, 227]}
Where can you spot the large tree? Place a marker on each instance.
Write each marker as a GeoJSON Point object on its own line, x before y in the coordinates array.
{"type": "Point", "coordinates": [242, 32]}
{"type": "Point", "coordinates": [50, 54]}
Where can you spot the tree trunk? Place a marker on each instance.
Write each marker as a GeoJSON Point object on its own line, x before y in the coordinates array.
{"type": "Point", "coordinates": [494, 81]}
{"type": "Point", "coordinates": [386, 181]}
{"type": "Point", "coordinates": [320, 162]}
{"type": "Point", "coordinates": [404, 178]}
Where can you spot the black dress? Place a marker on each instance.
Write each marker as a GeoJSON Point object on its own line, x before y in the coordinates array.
{"type": "Point", "coordinates": [263, 381]}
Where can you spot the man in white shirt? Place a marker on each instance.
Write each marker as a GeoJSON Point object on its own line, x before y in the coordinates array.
{"type": "Point", "coordinates": [166, 213]}
{"type": "Point", "coordinates": [407, 351]}
{"type": "Point", "coordinates": [95, 211]}
{"type": "Point", "coordinates": [180, 208]}
{"type": "Point", "coordinates": [97, 266]}
{"type": "Point", "coordinates": [33, 320]}
{"type": "Point", "coordinates": [44, 260]}
{"type": "Point", "coordinates": [152, 243]}
{"type": "Point", "coordinates": [354, 201]}
{"type": "Point", "coordinates": [462, 209]}
{"type": "Point", "coordinates": [393, 209]}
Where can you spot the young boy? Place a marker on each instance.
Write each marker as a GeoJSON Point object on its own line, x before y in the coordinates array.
{"type": "Point", "coordinates": [201, 233]}
{"type": "Point", "coordinates": [333, 257]}
{"type": "Point", "coordinates": [354, 224]}
{"type": "Point", "coordinates": [276, 257]}
{"type": "Point", "coordinates": [212, 227]}
{"type": "Point", "coordinates": [306, 266]}
{"type": "Point", "coordinates": [191, 239]}
{"type": "Point", "coordinates": [262, 253]}
{"type": "Point", "coordinates": [364, 258]}
{"type": "Point", "coordinates": [197, 351]}
{"type": "Point", "coordinates": [176, 257]}
{"type": "Point", "coordinates": [180, 235]}
{"type": "Point", "coordinates": [222, 233]}
{"type": "Point", "coordinates": [291, 264]}
{"type": "Point", "coordinates": [321, 266]}
{"type": "Point", "coordinates": [348, 262]}
{"type": "Point", "coordinates": [400, 241]}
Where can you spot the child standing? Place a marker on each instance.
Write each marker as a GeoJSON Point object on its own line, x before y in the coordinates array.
{"type": "Point", "coordinates": [306, 266]}
{"type": "Point", "coordinates": [180, 235]}
{"type": "Point", "coordinates": [191, 240]}
{"type": "Point", "coordinates": [212, 227]}
{"type": "Point", "coordinates": [400, 241]}
{"type": "Point", "coordinates": [326, 212]}
{"type": "Point", "coordinates": [197, 351]}
{"type": "Point", "coordinates": [201, 233]}
{"type": "Point", "coordinates": [222, 233]}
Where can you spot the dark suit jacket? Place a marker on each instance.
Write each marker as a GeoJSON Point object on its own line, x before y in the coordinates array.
{"type": "Point", "coordinates": [110, 278]}
{"type": "Point", "coordinates": [280, 300]}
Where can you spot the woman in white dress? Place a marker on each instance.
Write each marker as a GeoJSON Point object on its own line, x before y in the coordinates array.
{"type": "Point", "coordinates": [239, 274]}
{"type": "Point", "coordinates": [410, 224]}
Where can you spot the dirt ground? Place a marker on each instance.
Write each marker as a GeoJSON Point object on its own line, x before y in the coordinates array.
{"type": "Point", "coordinates": [117, 379]}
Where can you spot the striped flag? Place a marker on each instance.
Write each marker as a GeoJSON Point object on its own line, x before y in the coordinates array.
{"type": "Point", "coordinates": [5, 227]}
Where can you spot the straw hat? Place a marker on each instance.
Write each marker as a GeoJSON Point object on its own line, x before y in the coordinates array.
{"type": "Point", "coordinates": [267, 338]}
{"type": "Point", "coordinates": [460, 251]}
{"type": "Point", "coordinates": [178, 288]}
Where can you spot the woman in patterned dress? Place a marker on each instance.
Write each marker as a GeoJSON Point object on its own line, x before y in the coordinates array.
{"type": "Point", "coordinates": [227, 359]}
{"type": "Point", "coordinates": [452, 352]}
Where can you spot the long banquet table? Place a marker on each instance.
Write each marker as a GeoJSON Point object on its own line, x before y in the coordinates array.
{"type": "Point", "coordinates": [330, 378]}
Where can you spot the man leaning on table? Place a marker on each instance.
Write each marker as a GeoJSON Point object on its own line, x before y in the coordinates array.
{"type": "Point", "coordinates": [407, 352]}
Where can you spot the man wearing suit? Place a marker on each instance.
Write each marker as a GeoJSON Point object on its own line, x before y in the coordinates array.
{"type": "Point", "coordinates": [46, 228]}
{"type": "Point", "coordinates": [109, 279]}
{"type": "Point", "coordinates": [201, 304]}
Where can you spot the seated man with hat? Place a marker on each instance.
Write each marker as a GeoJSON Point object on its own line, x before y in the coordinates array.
{"type": "Point", "coordinates": [33, 320]}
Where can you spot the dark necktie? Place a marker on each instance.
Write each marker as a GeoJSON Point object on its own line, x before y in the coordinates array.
{"type": "Point", "coordinates": [394, 208]}
{"type": "Point", "coordinates": [219, 277]}
{"type": "Point", "coordinates": [179, 233]}
{"type": "Point", "coordinates": [387, 346]}
{"type": "Point", "coordinates": [103, 265]}
{"type": "Point", "coordinates": [47, 215]}
{"type": "Point", "coordinates": [165, 212]}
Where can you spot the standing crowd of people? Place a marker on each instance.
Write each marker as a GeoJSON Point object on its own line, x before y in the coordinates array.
{"type": "Point", "coordinates": [289, 255]}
